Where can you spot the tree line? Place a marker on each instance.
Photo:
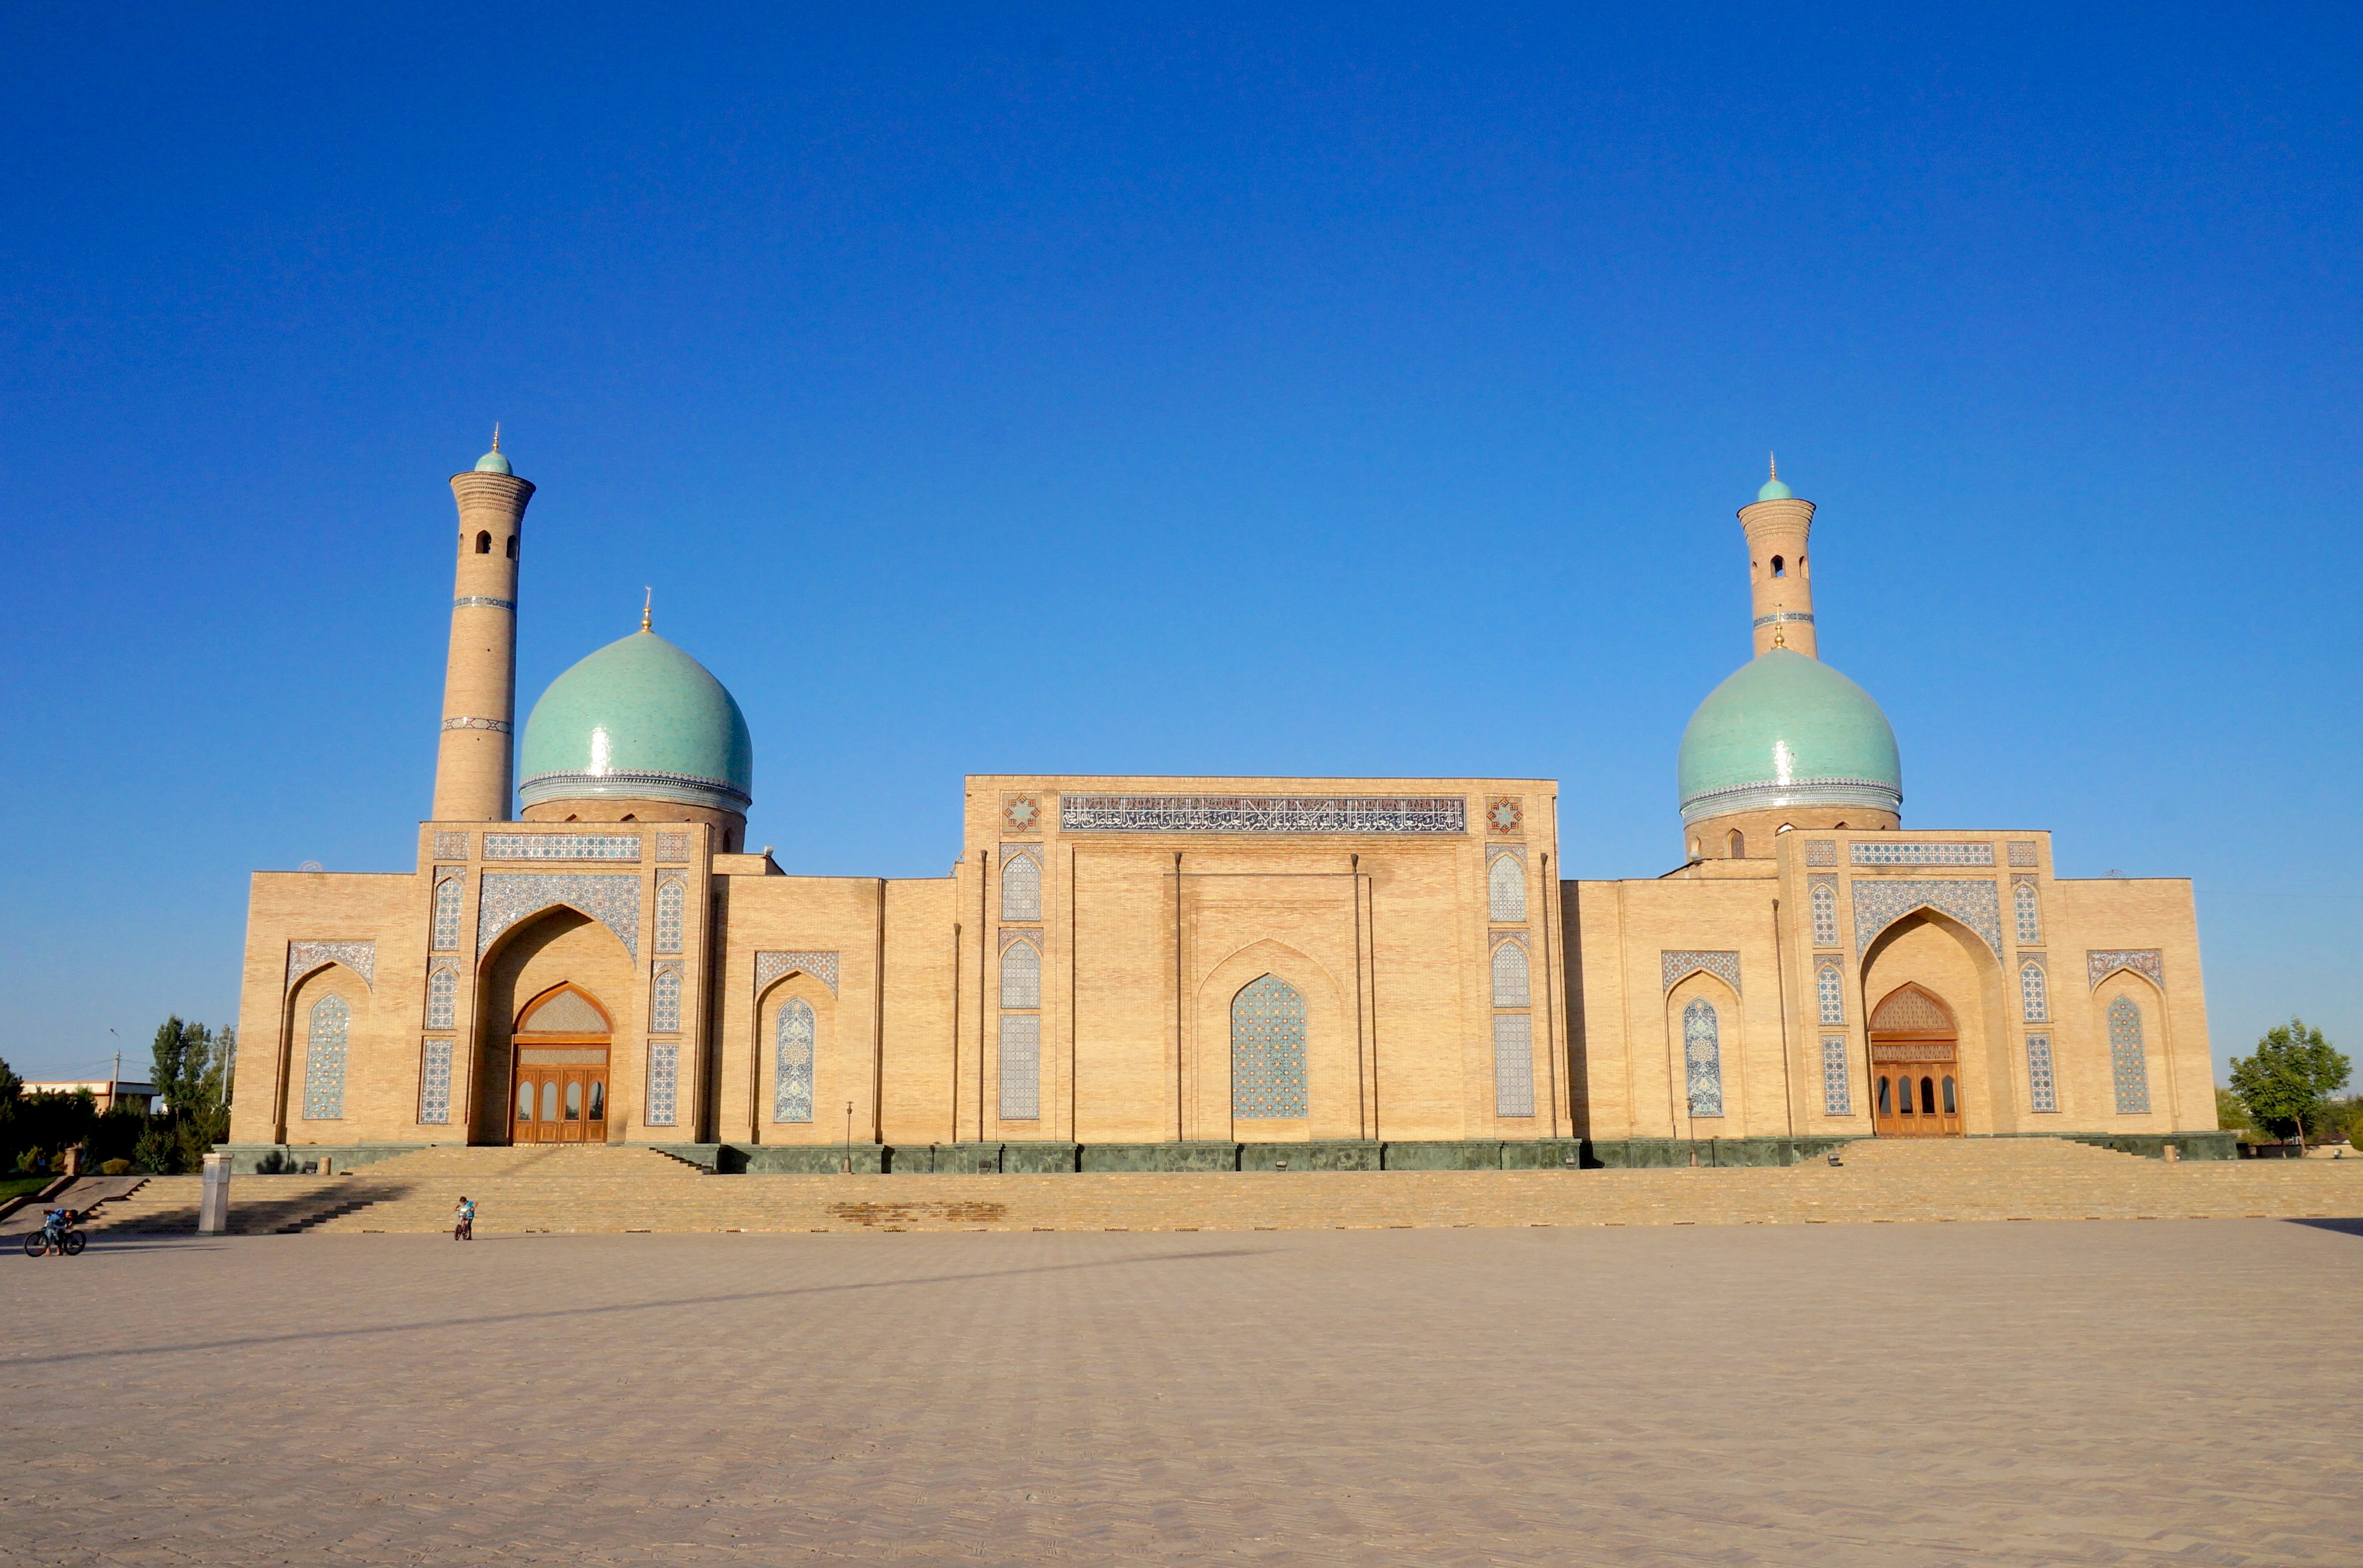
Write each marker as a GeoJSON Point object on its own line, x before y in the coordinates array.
{"type": "Point", "coordinates": [192, 1066]}
{"type": "Point", "coordinates": [2284, 1088]}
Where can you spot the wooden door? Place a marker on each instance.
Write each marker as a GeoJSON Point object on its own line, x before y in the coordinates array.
{"type": "Point", "coordinates": [1915, 1081]}
{"type": "Point", "coordinates": [562, 1041]}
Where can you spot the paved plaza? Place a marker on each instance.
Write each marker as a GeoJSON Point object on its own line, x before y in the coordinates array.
{"type": "Point", "coordinates": [1905, 1395]}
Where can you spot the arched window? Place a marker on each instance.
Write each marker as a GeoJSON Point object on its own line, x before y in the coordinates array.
{"type": "Point", "coordinates": [447, 915]}
{"type": "Point", "coordinates": [1513, 1065]}
{"type": "Point", "coordinates": [2128, 1064]}
{"type": "Point", "coordinates": [1021, 975]}
{"type": "Point", "coordinates": [1738, 843]}
{"type": "Point", "coordinates": [1779, 567]}
{"type": "Point", "coordinates": [2043, 1093]}
{"type": "Point", "coordinates": [1268, 1050]}
{"type": "Point", "coordinates": [665, 1007]}
{"type": "Point", "coordinates": [1513, 985]}
{"type": "Point", "coordinates": [2030, 923]}
{"type": "Point", "coordinates": [1703, 1057]}
{"type": "Point", "coordinates": [1021, 1066]}
{"type": "Point", "coordinates": [442, 997]}
{"type": "Point", "coordinates": [512, 547]}
{"type": "Point", "coordinates": [2034, 999]}
{"type": "Point", "coordinates": [792, 1073]}
{"type": "Point", "coordinates": [673, 910]}
{"type": "Point", "coordinates": [1838, 1093]}
{"type": "Point", "coordinates": [324, 1059]}
{"type": "Point", "coordinates": [1021, 888]}
{"type": "Point", "coordinates": [1506, 890]}
{"type": "Point", "coordinates": [483, 543]}
{"type": "Point", "coordinates": [1826, 916]}
{"type": "Point", "coordinates": [1829, 986]}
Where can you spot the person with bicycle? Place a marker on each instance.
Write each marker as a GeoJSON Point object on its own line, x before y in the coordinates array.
{"type": "Point", "coordinates": [464, 1216]}
{"type": "Point", "coordinates": [57, 1234]}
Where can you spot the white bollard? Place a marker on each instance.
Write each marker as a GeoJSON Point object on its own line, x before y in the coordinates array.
{"type": "Point", "coordinates": [213, 1197]}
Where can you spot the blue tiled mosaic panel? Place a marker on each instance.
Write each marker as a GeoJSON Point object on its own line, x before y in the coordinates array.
{"type": "Point", "coordinates": [672, 847]}
{"type": "Point", "coordinates": [2028, 913]}
{"type": "Point", "coordinates": [1021, 1066]}
{"type": "Point", "coordinates": [664, 1070]}
{"type": "Point", "coordinates": [435, 1083]}
{"type": "Point", "coordinates": [2033, 998]}
{"type": "Point", "coordinates": [509, 896]}
{"type": "Point", "coordinates": [450, 847]}
{"type": "Point", "coordinates": [664, 998]}
{"type": "Point", "coordinates": [324, 1059]}
{"type": "Point", "coordinates": [1513, 977]}
{"type": "Point", "coordinates": [1826, 916]}
{"type": "Point", "coordinates": [2023, 853]}
{"type": "Point", "coordinates": [1676, 963]}
{"type": "Point", "coordinates": [2100, 965]}
{"type": "Point", "coordinates": [1021, 975]}
{"type": "Point", "coordinates": [1829, 987]}
{"type": "Point", "coordinates": [1878, 905]}
{"type": "Point", "coordinates": [673, 906]}
{"type": "Point", "coordinates": [1267, 1051]}
{"type": "Point", "coordinates": [443, 997]}
{"type": "Point", "coordinates": [1506, 890]}
{"type": "Point", "coordinates": [770, 966]}
{"type": "Point", "coordinates": [1878, 852]}
{"type": "Point", "coordinates": [791, 1069]}
{"type": "Point", "coordinates": [360, 957]}
{"type": "Point", "coordinates": [2043, 1093]}
{"type": "Point", "coordinates": [1703, 1057]}
{"type": "Point", "coordinates": [1821, 852]}
{"type": "Point", "coordinates": [1262, 813]}
{"type": "Point", "coordinates": [562, 846]}
{"type": "Point", "coordinates": [1513, 1065]}
{"type": "Point", "coordinates": [2127, 1066]}
{"type": "Point", "coordinates": [1021, 885]}
{"type": "Point", "coordinates": [448, 893]}
{"type": "Point", "coordinates": [1838, 1091]}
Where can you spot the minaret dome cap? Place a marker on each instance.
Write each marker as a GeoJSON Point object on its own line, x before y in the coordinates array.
{"type": "Point", "coordinates": [493, 462]}
{"type": "Point", "coordinates": [1772, 489]}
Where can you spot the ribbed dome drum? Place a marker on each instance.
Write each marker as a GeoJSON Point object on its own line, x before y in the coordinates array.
{"type": "Point", "coordinates": [1784, 730]}
{"type": "Point", "coordinates": [638, 720]}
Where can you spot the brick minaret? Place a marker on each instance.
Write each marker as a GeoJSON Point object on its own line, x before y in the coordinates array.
{"type": "Point", "coordinates": [474, 770]}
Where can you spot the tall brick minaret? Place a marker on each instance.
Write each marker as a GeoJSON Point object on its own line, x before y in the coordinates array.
{"type": "Point", "coordinates": [474, 767]}
{"type": "Point", "coordinates": [1778, 582]}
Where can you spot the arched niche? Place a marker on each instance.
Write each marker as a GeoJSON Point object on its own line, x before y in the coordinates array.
{"type": "Point", "coordinates": [1954, 964]}
{"type": "Point", "coordinates": [531, 964]}
{"type": "Point", "coordinates": [1700, 986]}
{"type": "Point", "coordinates": [351, 990]}
{"type": "Point", "coordinates": [780, 1025]}
{"type": "Point", "coordinates": [1332, 1074]}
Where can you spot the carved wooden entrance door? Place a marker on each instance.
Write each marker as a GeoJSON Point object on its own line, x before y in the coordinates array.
{"type": "Point", "coordinates": [1915, 1067]}
{"type": "Point", "coordinates": [561, 1087]}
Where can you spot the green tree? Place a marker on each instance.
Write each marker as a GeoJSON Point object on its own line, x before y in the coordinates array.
{"type": "Point", "coordinates": [191, 1068]}
{"type": "Point", "coordinates": [2293, 1074]}
{"type": "Point", "coordinates": [2232, 1112]}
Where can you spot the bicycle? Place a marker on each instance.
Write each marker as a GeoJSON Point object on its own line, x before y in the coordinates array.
{"type": "Point", "coordinates": [57, 1234]}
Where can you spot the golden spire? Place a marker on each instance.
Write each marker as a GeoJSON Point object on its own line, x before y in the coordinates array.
{"type": "Point", "coordinates": [1774, 458]}
{"type": "Point", "coordinates": [496, 435]}
{"type": "Point", "coordinates": [1779, 641]}
{"type": "Point", "coordinates": [648, 608]}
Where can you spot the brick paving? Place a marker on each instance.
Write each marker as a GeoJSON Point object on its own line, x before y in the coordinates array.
{"type": "Point", "coordinates": [2109, 1392]}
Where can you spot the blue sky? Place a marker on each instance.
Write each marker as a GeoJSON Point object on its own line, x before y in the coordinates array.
{"type": "Point", "coordinates": [1352, 391]}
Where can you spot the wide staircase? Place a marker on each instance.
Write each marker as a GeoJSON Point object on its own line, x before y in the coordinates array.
{"type": "Point", "coordinates": [564, 1190]}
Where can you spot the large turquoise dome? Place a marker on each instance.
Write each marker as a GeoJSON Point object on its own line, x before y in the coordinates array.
{"type": "Point", "coordinates": [638, 720]}
{"type": "Point", "coordinates": [1787, 730]}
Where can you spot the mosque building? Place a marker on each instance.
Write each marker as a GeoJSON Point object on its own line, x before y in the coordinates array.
{"type": "Point", "coordinates": [1198, 973]}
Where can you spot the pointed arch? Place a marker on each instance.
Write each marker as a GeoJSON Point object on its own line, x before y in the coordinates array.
{"type": "Point", "coordinates": [1267, 1051]}
{"type": "Point", "coordinates": [1703, 1057]}
{"type": "Point", "coordinates": [795, 1034]}
{"type": "Point", "coordinates": [327, 1029]}
{"type": "Point", "coordinates": [1829, 990]}
{"type": "Point", "coordinates": [2033, 994]}
{"type": "Point", "coordinates": [449, 892]}
{"type": "Point", "coordinates": [1021, 974]}
{"type": "Point", "coordinates": [672, 912]}
{"type": "Point", "coordinates": [2128, 1057]}
{"type": "Point", "coordinates": [1506, 890]}
{"type": "Point", "coordinates": [1825, 915]}
{"type": "Point", "coordinates": [2026, 910]}
{"type": "Point", "coordinates": [1021, 886]}
{"type": "Point", "coordinates": [1913, 1009]}
{"type": "Point", "coordinates": [443, 994]}
{"type": "Point", "coordinates": [565, 1009]}
{"type": "Point", "coordinates": [1513, 976]}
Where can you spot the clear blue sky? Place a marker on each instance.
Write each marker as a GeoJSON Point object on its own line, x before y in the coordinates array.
{"type": "Point", "coordinates": [1177, 390]}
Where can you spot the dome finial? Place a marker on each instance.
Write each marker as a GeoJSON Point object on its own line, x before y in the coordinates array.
{"type": "Point", "coordinates": [1773, 490]}
{"type": "Point", "coordinates": [1771, 458]}
{"type": "Point", "coordinates": [497, 437]}
{"type": "Point", "coordinates": [1780, 639]}
{"type": "Point", "coordinates": [494, 461]}
{"type": "Point", "coordinates": [648, 608]}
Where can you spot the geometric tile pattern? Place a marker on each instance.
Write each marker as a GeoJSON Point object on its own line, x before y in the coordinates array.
{"type": "Point", "coordinates": [1872, 852]}
{"type": "Point", "coordinates": [1021, 1066]}
{"type": "Point", "coordinates": [1268, 1050]}
{"type": "Point", "coordinates": [2043, 1093]}
{"type": "Point", "coordinates": [360, 957]}
{"type": "Point", "coordinates": [509, 896]}
{"type": "Point", "coordinates": [1821, 852]}
{"type": "Point", "coordinates": [792, 1034]}
{"type": "Point", "coordinates": [1825, 902]}
{"type": "Point", "coordinates": [1829, 989]}
{"type": "Point", "coordinates": [448, 894]}
{"type": "Point", "coordinates": [1838, 1093]}
{"type": "Point", "coordinates": [1021, 813]}
{"type": "Point", "coordinates": [442, 994]}
{"type": "Point", "coordinates": [2146, 961]}
{"type": "Point", "coordinates": [2129, 1067]}
{"type": "Point", "coordinates": [1506, 890]}
{"type": "Point", "coordinates": [1263, 813]}
{"type": "Point", "coordinates": [770, 966]}
{"type": "Point", "coordinates": [450, 845]}
{"type": "Point", "coordinates": [1021, 975]}
{"type": "Point", "coordinates": [664, 1069]}
{"type": "Point", "coordinates": [673, 905]}
{"type": "Point", "coordinates": [1675, 964]}
{"type": "Point", "coordinates": [1513, 1065]}
{"type": "Point", "coordinates": [2027, 913]}
{"type": "Point", "coordinates": [435, 1082]}
{"type": "Point", "coordinates": [672, 847]}
{"type": "Point", "coordinates": [1021, 881]}
{"type": "Point", "coordinates": [1703, 1057]}
{"type": "Point", "coordinates": [1878, 905]}
{"type": "Point", "coordinates": [2022, 852]}
{"type": "Point", "coordinates": [562, 846]}
{"type": "Point", "coordinates": [664, 998]}
{"type": "Point", "coordinates": [2034, 996]}
{"type": "Point", "coordinates": [1504, 814]}
{"type": "Point", "coordinates": [1513, 979]}
{"type": "Point", "coordinates": [324, 1059]}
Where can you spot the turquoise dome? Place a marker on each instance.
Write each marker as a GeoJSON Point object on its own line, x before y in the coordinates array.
{"type": "Point", "coordinates": [637, 720]}
{"type": "Point", "coordinates": [1773, 490]}
{"type": "Point", "coordinates": [493, 462]}
{"type": "Point", "coordinates": [1787, 730]}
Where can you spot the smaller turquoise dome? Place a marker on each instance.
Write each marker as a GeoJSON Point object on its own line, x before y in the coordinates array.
{"type": "Point", "coordinates": [1787, 730]}
{"type": "Point", "coordinates": [1771, 490]}
{"type": "Point", "coordinates": [637, 720]}
{"type": "Point", "coordinates": [493, 462]}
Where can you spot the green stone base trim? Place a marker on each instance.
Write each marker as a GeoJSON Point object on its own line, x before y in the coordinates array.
{"type": "Point", "coordinates": [1665, 1154]}
{"type": "Point", "coordinates": [1039, 1159]}
{"type": "Point", "coordinates": [984, 1159]}
{"type": "Point", "coordinates": [791, 1159]}
{"type": "Point", "coordinates": [1330, 1154]}
{"type": "Point", "coordinates": [289, 1159]}
{"type": "Point", "coordinates": [1161, 1156]}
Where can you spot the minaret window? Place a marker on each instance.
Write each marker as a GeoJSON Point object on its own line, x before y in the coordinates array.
{"type": "Point", "coordinates": [512, 547]}
{"type": "Point", "coordinates": [1739, 844]}
{"type": "Point", "coordinates": [1779, 567]}
{"type": "Point", "coordinates": [483, 543]}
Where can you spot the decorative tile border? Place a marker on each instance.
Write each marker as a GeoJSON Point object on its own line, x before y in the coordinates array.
{"type": "Point", "coordinates": [450, 845]}
{"type": "Point", "coordinates": [770, 966]}
{"type": "Point", "coordinates": [1883, 852]}
{"type": "Point", "coordinates": [1505, 816]}
{"type": "Point", "coordinates": [509, 896]}
{"type": "Point", "coordinates": [1263, 813]}
{"type": "Point", "coordinates": [1837, 1092]}
{"type": "Point", "coordinates": [665, 980]}
{"type": "Point", "coordinates": [1021, 813]}
{"type": "Point", "coordinates": [672, 847]}
{"type": "Point", "coordinates": [435, 1083]}
{"type": "Point", "coordinates": [1878, 905]}
{"type": "Point", "coordinates": [1679, 964]}
{"type": "Point", "coordinates": [469, 722]}
{"type": "Point", "coordinates": [482, 601]}
{"type": "Point", "coordinates": [2148, 962]}
{"type": "Point", "coordinates": [664, 1060]}
{"type": "Point", "coordinates": [562, 846]}
{"type": "Point", "coordinates": [360, 957]}
{"type": "Point", "coordinates": [1790, 616]}
{"type": "Point", "coordinates": [1821, 852]}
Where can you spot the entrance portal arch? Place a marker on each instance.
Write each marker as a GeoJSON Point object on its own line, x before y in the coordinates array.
{"type": "Point", "coordinates": [1915, 1066]}
{"type": "Point", "coordinates": [559, 1094]}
